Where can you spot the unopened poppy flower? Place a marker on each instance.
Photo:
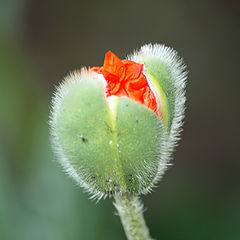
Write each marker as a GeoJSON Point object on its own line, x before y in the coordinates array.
{"type": "Point", "coordinates": [114, 127]}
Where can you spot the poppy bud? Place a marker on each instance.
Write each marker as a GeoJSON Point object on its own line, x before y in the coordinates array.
{"type": "Point", "coordinates": [114, 127]}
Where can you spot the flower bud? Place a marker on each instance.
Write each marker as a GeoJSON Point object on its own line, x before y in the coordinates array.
{"type": "Point", "coordinates": [114, 127]}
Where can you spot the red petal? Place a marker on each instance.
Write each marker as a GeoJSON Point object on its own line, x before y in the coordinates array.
{"type": "Point", "coordinates": [112, 64]}
{"type": "Point", "coordinates": [126, 78]}
{"type": "Point", "coordinates": [133, 70]}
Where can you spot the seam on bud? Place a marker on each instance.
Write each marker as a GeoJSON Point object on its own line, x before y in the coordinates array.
{"type": "Point", "coordinates": [161, 99]}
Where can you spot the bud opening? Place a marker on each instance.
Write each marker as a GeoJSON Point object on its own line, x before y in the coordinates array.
{"type": "Point", "coordinates": [126, 78]}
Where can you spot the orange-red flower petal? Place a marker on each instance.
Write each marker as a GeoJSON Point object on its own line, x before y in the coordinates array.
{"type": "Point", "coordinates": [126, 78]}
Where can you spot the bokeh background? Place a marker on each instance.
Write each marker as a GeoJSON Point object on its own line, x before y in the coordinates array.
{"type": "Point", "coordinates": [42, 41]}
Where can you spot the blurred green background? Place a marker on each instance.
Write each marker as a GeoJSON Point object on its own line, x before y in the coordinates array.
{"type": "Point", "coordinates": [42, 41]}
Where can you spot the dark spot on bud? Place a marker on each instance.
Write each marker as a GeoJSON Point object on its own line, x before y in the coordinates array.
{"type": "Point", "coordinates": [85, 140]}
{"type": "Point", "coordinates": [131, 180]}
{"type": "Point", "coordinates": [111, 192]}
{"type": "Point", "coordinates": [126, 105]}
{"type": "Point", "coordinates": [109, 128]}
{"type": "Point", "coordinates": [137, 120]}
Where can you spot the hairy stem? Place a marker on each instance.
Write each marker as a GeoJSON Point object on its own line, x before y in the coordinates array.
{"type": "Point", "coordinates": [130, 210]}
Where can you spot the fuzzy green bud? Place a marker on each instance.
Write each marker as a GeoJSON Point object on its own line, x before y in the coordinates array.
{"type": "Point", "coordinates": [115, 144]}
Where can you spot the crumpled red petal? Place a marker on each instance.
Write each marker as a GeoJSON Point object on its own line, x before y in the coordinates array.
{"type": "Point", "coordinates": [126, 78]}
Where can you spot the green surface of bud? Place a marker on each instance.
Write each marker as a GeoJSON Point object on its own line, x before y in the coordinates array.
{"type": "Point", "coordinates": [115, 144]}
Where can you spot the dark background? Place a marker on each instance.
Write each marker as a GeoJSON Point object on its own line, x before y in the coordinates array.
{"type": "Point", "coordinates": [42, 41]}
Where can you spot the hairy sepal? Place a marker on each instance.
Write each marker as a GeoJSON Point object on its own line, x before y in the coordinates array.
{"type": "Point", "coordinates": [166, 74]}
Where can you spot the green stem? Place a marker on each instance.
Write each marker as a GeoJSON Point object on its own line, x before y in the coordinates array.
{"type": "Point", "coordinates": [130, 210]}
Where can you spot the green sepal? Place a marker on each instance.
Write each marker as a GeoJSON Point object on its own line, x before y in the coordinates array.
{"type": "Point", "coordinates": [84, 129]}
{"type": "Point", "coordinates": [140, 133]}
